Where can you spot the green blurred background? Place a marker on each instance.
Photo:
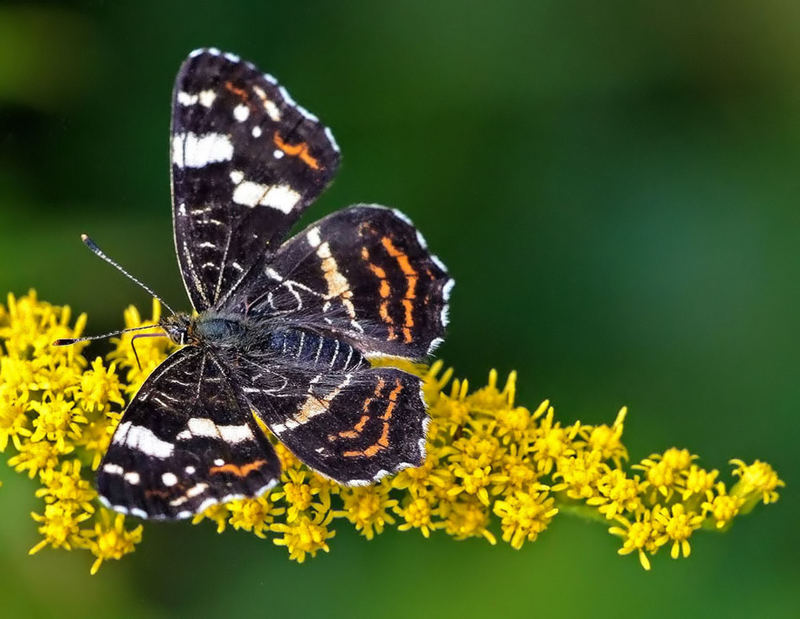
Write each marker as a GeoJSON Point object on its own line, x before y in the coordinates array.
{"type": "Point", "coordinates": [614, 187]}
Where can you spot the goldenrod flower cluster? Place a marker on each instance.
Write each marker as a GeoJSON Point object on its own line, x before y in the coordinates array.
{"type": "Point", "coordinates": [493, 468]}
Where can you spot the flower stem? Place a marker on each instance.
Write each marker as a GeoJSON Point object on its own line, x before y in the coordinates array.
{"type": "Point", "coordinates": [571, 507]}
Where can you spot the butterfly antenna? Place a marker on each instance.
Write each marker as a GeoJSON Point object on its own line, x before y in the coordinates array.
{"type": "Point", "coordinates": [68, 341]}
{"type": "Point", "coordinates": [100, 254]}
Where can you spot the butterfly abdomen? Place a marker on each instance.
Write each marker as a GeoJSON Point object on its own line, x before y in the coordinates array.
{"type": "Point", "coordinates": [313, 349]}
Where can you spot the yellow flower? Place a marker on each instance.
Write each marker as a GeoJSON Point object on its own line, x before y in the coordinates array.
{"type": "Point", "coordinates": [367, 507]}
{"type": "Point", "coordinates": [465, 518]}
{"type": "Point", "coordinates": [435, 380]}
{"type": "Point", "coordinates": [99, 386]}
{"type": "Point", "coordinates": [17, 378]}
{"type": "Point", "coordinates": [298, 493]}
{"type": "Point", "coordinates": [677, 525]}
{"type": "Point", "coordinates": [55, 379]}
{"type": "Point", "coordinates": [254, 515]}
{"type": "Point", "coordinates": [617, 494]}
{"type": "Point", "coordinates": [453, 410]}
{"type": "Point", "coordinates": [551, 442]}
{"type": "Point", "coordinates": [722, 506]}
{"type": "Point", "coordinates": [638, 536]}
{"type": "Point", "coordinates": [287, 458]}
{"type": "Point", "coordinates": [29, 327]}
{"type": "Point", "coordinates": [525, 514]}
{"type": "Point", "coordinates": [519, 472]}
{"type": "Point", "coordinates": [606, 440]}
{"type": "Point", "coordinates": [96, 436]}
{"type": "Point", "coordinates": [60, 525]}
{"type": "Point", "coordinates": [489, 399]}
{"type": "Point", "coordinates": [581, 473]}
{"type": "Point", "coordinates": [664, 471]}
{"type": "Point", "coordinates": [218, 513]}
{"type": "Point", "coordinates": [35, 457]}
{"type": "Point", "coordinates": [470, 462]}
{"type": "Point", "coordinates": [57, 421]}
{"type": "Point", "coordinates": [305, 535]}
{"type": "Point", "coordinates": [14, 423]}
{"type": "Point", "coordinates": [757, 479]}
{"type": "Point", "coordinates": [432, 474]}
{"type": "Point", "coordinates": [67, 486]}
{"type": "Point", "coordinates": [417, 512]}
{"type": "Point", "coordinates": [698, 481]}
{"type": "Point", "coordinates": [110, 539]}
{"type": "Point", "coordinates": [491, 464]}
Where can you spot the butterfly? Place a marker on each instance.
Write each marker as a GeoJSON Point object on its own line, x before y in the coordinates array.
{"type": "Point", "coordinates": [283, 331]}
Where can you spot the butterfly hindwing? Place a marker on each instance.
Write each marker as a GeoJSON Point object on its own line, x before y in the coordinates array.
{"type": "Point", "coordinates": [186, 441]}
{"type": "Point", "coordinates": [354, 426]}
{"type": "Point", "coordinates": [246, 161]}
{"type": "Point", "coordinates": [363, 273]}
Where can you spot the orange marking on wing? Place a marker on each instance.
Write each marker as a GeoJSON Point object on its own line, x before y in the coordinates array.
{"type": "Point", "coordinates": [409, 307]}
{"type": "Point", "coordinates": [299, 150]}
{"type": "Point", "coordinates": [242, 94]}
{"type": "Point", "coordinates": [384, 291]}
{"type": "Point", "coordinates": [398, 387]}
{"type": "Point", "coordinates": [239, 92]}
{"type": "Point", "coordinates": [387, 415]}
{"type": "Point", "coordinates": [383, 439]}
{"type": "Point", "coordinates": [383, 311]}
{"type": "Point", "coordinates": [375, 394]}
{"type": "Point", "coordinates": [363, 228]}
{"type": "Point", "coordinates": [401, 257]}
{"type": "Point", "coordinates": [240, 471]}
{"type": "Point", "coordinates": [383, 443]}
{"type": "Point", "coordinates": [357, 429]}
{"type": "Point", "coordinates": [378, 271]}
{"type": "Point", "coordinates": [412, 276]}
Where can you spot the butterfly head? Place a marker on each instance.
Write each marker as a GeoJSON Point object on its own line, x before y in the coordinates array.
{"type": "Point", "coordinates": [177, 327]}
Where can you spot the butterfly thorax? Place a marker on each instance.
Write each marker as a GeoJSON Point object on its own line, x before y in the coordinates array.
{"type": "Point", "coordinates": [205, 328]}
{"type": "Point", "coordinates": [220, 329]}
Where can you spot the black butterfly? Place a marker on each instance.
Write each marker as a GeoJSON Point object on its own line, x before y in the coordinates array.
{"type": "Point", "coordinates": [284, 330]}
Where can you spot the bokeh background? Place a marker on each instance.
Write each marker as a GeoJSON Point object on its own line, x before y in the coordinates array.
{"type": "Point", "coordinates": [614, 186]}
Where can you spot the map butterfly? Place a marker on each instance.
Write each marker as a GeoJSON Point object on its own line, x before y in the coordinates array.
{"type": "Point", "coordinates": [284, 329]}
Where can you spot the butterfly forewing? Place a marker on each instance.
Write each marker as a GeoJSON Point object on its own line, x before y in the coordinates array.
{"type": "Point", "coordinates": [246, 161]}
{"type": "Point", "coordinates": [363, 273]}
{"type": "Point", "coordinates": [186, 441]}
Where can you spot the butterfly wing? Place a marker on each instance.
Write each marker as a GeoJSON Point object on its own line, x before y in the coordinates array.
{"type": "Point", "coordinates": [354, 425]}
{"type": "Point", "coordinates": [246, 161]}
{"type": "Point", "coordinates": [364, 274]}
{"type": "Point", "coordinates": [185, 442]}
